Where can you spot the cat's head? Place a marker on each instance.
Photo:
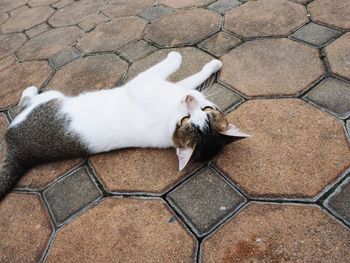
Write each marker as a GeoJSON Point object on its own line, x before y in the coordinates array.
{"type": "Point", "coordinates": [201, 130]}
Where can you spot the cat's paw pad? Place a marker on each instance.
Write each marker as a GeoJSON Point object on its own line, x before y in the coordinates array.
{"type": "Point", "coordinates": [30, 91]}
{"type": "Point", "coordinates": [175, 56]}
{"type": "Point", "coordinates": [214, 65]}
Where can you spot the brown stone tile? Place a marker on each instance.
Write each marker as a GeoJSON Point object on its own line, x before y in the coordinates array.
{"type": "Point", "coordinates": [137, 50]}
{"type": "Point", "coordinates": [265, 18]}
{"type": "Point", "coordinates": [279, 233]}
{"type": "Point", "coordinates": [112, 35]}
{"type": "Point", "coordinates": [3, 17]}
{"type": "Point", "coordinates": [132, 230]}
{"type": "Point", "coordinates": [37, 30]}
{"type": "Point", "coordinates": [7, 62]}
{"type": "Point", "coordinates": [8, 5]}
{"type": "Point", "coordinates": [89, 73]}
{"type": "Point", "coordinates": [41, 2]}
{"type": "Point", "coordinates": [338, 54]}
{"type": "Point", "coordinates": [3, 126]}
{"type": "Point", "coordinates": [9, 43]}
{"type": "Point", "coordinates": [27, 19]}
{"type": "Point", "coordinates": [193, 60]}
{"type": "Point", "coordinates": [19, 10]}
{"type": "Point", "coordinates": [49, 43]}
{"type": "Point", "coordinates": [76, 12]}
{"type": "Point", "coordinates": [183, 27]}
{"type": "Point", "coordinates": [139, 170]}
{"type": "Point", "coordinates": [16, 78]}
{"type": "Point", "coordinates": [92, 21]}
{"type": "Point", "coordinates": [220, 43]}
{"type": "Point", "coordinates": [41, 175]}
{"type": "Point", "coordinates": [184, 3]}
{"type": "Point", "coordinates": [295, 150]}
{"type": "Point", "coordinates": [25, 228]}
{"type": "Point", "coordinates": [331, 12]}
{"type": "Point", "coordinates": [271, 67]}
{"type": "Point", "coordinates": [119, 8]}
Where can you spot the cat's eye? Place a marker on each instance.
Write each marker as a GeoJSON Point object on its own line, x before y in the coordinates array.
{"type": "Point", "coordinates": [184, 119]}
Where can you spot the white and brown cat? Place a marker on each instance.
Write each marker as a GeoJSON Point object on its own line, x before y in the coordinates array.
{"type": "Point", "coordinates": [148, 111]}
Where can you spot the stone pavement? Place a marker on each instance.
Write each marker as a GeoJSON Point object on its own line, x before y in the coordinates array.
{"type": "Point", "coordinates": [282, 195]}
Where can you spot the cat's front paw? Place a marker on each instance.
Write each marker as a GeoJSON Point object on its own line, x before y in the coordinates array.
{"type": "Point", "coordinates": [30, 91]}
{"type": "Point", "coordinates": [175, 56]}
{"type": "Point", "coordinates": [213, 66]}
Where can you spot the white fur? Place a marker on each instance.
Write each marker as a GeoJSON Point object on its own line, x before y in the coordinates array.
{"type": "Point", "coordinates": [142, 113]}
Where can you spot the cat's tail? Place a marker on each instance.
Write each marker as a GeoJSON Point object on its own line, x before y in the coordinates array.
{"type": "Point", "coordinates": [10, 172]}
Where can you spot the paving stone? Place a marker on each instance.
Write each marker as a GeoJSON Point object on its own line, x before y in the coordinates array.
{"type": "Point", "coordinates": [25, 228]}
{"type": "Point", "coordinates": [3, 17]}
{"type": "Point", "coordinates": [9, 43]}
{"type": "Point", "coordinates": [205, 200]}
{"type": "Point", "coordinates": [183, 27]}
{"type": "Point", "coordinates": [7, 62]}
{"type": "Point", "coordinates": [271, 67]}
{"type": "Point", "coordinates": [119, 8]}
{"type": "Point", "coordinates": [27, 19]}
{"type": "Point", "coordinates": [3, 126]}
{"type": "Point", "coordinates": [137, 50]}
{"type": "Point", "coordinates": [331, 12]}
{"type": "Point", "coordinates": [49, 43]}
{"type": "Point", "coordinates": [184, 3]}
{"type": "Point", "coordinates": [220, 43]}
{"type": "Point", "coordinates": [295, 150]}
{"type": "Point", "coordinates": [71, 194]}
{"type": "Point", "coordinates": [279, 233]}
{"type": "Point", "coordinates": [8, 5]}
{"type": "Point", "coordinates": [112, 35]}
{"type": "Point", "coordinates": [42, 175]}
{"type": "Point", "coordinates": [223, 97]}
{"type": "Point", "coordinates": [76, 12]}
{"type": "Point", "coordinates": [222, 6]}
{"type": "Point", "coordinates": [155, 12]}
{"type": "Point", "coordinates": [65, 56]}
{"type": "Point", "coordinates": [16, 78]}
{"type": "Point", "coordinates": [338, 54]}
{"type": "Point", "coordinates": [41, 2]}
{"type": "Point", "coordinates": [265, 18]}
{"type": "Point", "coordinates": [37, 30]}
{"type": "Point", "coordinates": [315, 34]}
{"type": "Point", "coordinates": [92, 21]}
{"type": "Point", "coordinates": [339, 201]}
{"type": "Point", "coordinates": [139, 170]}
{"type": "Point", "coordinates": [334, 95]}
{"type": "Point", "coordinates": [19, 10]}
{"type": "Point", "coordinates": [89, 73]}
{"type": "Point", "coordinates": [132, 230]}
{"type": "Point", "coordinates": [62, 3]}
{"type": "Point", "coordinates": [193, 60]}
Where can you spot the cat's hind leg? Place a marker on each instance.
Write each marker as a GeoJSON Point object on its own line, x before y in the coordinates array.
{"type": "Point", "coordinates": [197, 79]}
{"type": "Point", "coordinates": [26, 97]}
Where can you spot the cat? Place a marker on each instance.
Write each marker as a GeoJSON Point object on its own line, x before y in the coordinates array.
{"type": "Point", "coordinates": [147, 111]}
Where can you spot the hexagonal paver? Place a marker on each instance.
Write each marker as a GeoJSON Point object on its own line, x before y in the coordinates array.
{"type": "Point", "coordinates": [331, 12]}
{"type": "Point", "coordinates": [92, 21]}
{"type": "Point", "coordinates": [338, 54]}
{"type": "Point", "coordinates": [71, 194]}
{"type": "Point", "coordinates": [64, 56]}
{"type": "Point", "coordinates": [3, 126]}
{"type": "Point", "coordinates": [271, 67]}
{"type": "Point", "coordinates": [132, 230]}
{"type": "Point", "coordinates": [119, 8]}
{"type": "Point", "coordinates": [8, 5]}
{"type": "Point", "coordinates": [16, 78]}
{"type": "Point", "coordinates": [222, 6]}
{"type": "Point", "coordinates": [89, 73]}
{"type": "Point", "coordinates": [25, 228]}
{"type": "Point", "coordinates": [40, 176]}
{"type": "Point", "coordinates": [333, 95]}
{"type": "Point", "coordinates": [27, 19]}
{"type": "Point", "coordinates": [265, 18]}
{"type": "Point", "coordinates": [339, 201]}
{"type": "Point", "coordinates": [136, 50]}
{"type": "Point", "coordinates": [204, 200]}
{"type": "Point", "coordinates": [112, 35]}
{"type": "Point", "coordinates": [219, 43]}
{"type": "Point", "coordinates": [139, 170]}
{"type": "Point", "coordinates": [76, 12]}
{"type": "Point", "coordinates": [19, 10]}
{"type": "Point", "coordinates": [41, 2]}
{"type": "Point", "coordinates": [7, 62]}
{"type": "Point", "coordinates": [37, 30]}
{"type": "Point", "coordinates": [315, 34]}
{"type": "Point", "coordinates": [155, 12]}
{"type": "Point", "coordinates": [295, 150]}
{"type": "Point", "coordinates": [9, 43]}
{"type": "Point", "coordinates": [183, 27]}
{"type": "Point", "coordinates": [49, 43]}
{"type": "Point", "coordinates": [193, 60]}
{"type": "Point", "coordinates": [279, 233]}
{"type": "Point", "coordinates": [184, 3]}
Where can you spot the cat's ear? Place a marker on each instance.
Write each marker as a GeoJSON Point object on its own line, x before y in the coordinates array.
{"type": "Point", "coordinates": [232, 131]}
{"type": "Point", "coordinates": [191, 103]}
{"type": "Point", "coordinates": [184, 156]}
